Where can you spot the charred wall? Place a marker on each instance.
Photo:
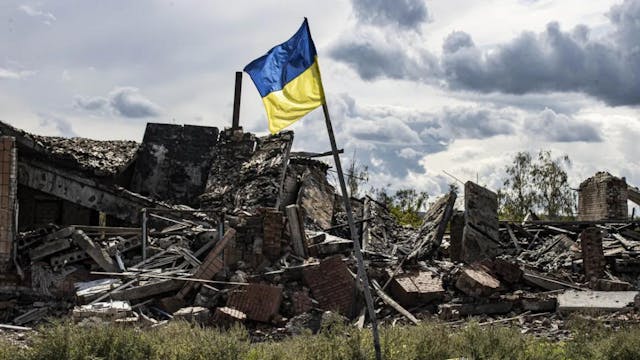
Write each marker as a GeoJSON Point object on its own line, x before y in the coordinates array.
{"type": "Point", "coordinates": [173, 162]}
{"type": "Point", "coordinates": [602, 197]}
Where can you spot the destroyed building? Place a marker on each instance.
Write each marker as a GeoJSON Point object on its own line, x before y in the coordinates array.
{"type": "Point", "coordinates": [219, 227]}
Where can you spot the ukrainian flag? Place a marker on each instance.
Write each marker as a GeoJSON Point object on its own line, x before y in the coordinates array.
{"type": "Point", "coordinates": [288, 79]}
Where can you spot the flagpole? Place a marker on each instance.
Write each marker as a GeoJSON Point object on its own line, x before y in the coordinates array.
{"type": "Point", "coordinates": [354, 234]}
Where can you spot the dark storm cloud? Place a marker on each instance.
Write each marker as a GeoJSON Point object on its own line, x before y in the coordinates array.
{"type": "Point", "coordinates": [374, 55]}
{"type": "Point", "coordinates": [476, 123]}
{"type": "Point", "coordinates": [554, 60]}
{"type": "Point", "coordinates": [408, 14]}
{"type": "Point", "coordinates": [561, 128]}
{"type": "Point", "coordinates": [123, 101]}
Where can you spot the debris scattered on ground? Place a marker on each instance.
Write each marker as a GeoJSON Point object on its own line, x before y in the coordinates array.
{"type": "Point", "coordinates": [255, 235]}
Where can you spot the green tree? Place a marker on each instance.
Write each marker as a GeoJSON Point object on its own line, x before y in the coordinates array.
{"type": "Point", "coordinates": [357, 176]}
{"type": "Point", "coordinates": [519, 194]}
{"type": "Point", "coordinates": [553, 196]}
{"type": "Point", "coordinates": [405, 204]}
{"type": "Point", "coordinates": [538, 184]}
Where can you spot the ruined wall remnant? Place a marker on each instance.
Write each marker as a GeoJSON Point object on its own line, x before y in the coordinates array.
{"type": "Point", "coordinates": [480, 237]}
{"type": "Point", "coordinates": [602, 197]}
{"type": "Point", "coordinates": [592, 253]}
{"type": "Point", "coordinates": [435, 222]}
{"type": "Point", "coordinates": [247, 172]}
{"type": "Point", "coordinates": [8, 190]}
{"type": "Point", "coordinates": [173, 162]}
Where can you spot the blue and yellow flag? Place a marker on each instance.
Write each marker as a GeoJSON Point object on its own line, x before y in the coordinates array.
{"type": "Point", "coordinates": [288, 79]}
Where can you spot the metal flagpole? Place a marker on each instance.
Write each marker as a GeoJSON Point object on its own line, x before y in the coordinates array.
{"type": "Point", "coordinates": [354, 234]}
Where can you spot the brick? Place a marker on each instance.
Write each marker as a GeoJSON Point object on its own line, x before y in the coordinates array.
{"type": "Point", "coordinates": [301, 302]}
{"type": "Point", "coordinates": [592, 253]}
{"type": "Point", "coordinates": [272, 234]}
{"type": "Point", "coordinates": [211, 265]}
{"type": "Point", "coordinates": [416, 287]}
{"type": "Point", "coordinates": [602, 197]}
{"type": "Point", "coordinates": [332, 285]}
{"type": "Point", "coordinates": [477, 282]}
{"type": "Point", "coordinates": [226, 316]}
{"type": "Point", "coordinates": [260, 302]}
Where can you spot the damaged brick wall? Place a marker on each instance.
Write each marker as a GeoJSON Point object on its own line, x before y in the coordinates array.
{"type": "Point", "coordinates": [602, 197]}
{"type": "Point", "coordinates": [480, 237]}
{"type": "Point", "coordinates": [8, 190]}
{"type": "Point", "coordinates": [247, 172]}
{"type": "Point", "coordinates": [173, 162]}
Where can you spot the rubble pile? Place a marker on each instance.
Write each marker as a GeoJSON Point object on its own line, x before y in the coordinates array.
{"type": "Point", "coordinates": [266, 243]}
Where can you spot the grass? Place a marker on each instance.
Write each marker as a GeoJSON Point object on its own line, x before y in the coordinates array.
{"type": "Point", "coordinates": [180, 340]}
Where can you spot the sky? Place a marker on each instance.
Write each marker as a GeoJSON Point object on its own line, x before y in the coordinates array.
{"type": "Point", "coordinates": [415, 88]}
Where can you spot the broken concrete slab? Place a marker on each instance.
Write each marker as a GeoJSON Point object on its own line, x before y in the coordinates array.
{"type": "Point", "coordinates": [105, 310]}
{"type": "Point", "coordinates": [477, 282]}
{"type": "Point", "coordinates": [572, 300]}
{"type": "Point", "coordinates": [195, 314]}
{"type": "Point", "coordinates": [480, 237]}
{"type": "Point", "coordinates": [504, 270]}
{"type": "Point", "coordinates": [49, 248]}
{"type": "Point", "coordinates": [432, 229]}
{"type": "Point", "coordinates": [98, 254]}
{"type": "Point", "coordinates": [416, 287]}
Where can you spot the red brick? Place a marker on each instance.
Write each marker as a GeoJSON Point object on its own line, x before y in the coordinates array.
{"type": "Point", "coordinates": [301, 302]}
{"type": "Point", "coordinates": [260, 302]}
{"type": "Point", "coordinates": [332, 285]}
{"type": "Point", "coordinates": [226, 316]}
{"type": "Point", "coordinates": [592, 253]}
{"type": "Point", "coordinates": [272, 234]}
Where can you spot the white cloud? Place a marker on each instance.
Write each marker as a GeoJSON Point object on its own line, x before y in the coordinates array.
{"type": "Point", "coordinates": [14, 74]}
{"type": "Point", "coordinates": [46, 17]}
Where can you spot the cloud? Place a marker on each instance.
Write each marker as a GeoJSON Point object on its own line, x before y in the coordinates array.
{"type": "Point", "coordinates": [9, 74]}
{"type": "Point", "coordinates": [561, 128]}
{"type": "Point", "coordinates": [46, 17]}
{"type": "Point", "coordinates": [407, 14]}
{"type": "Point", "coordinates": [373, 54]}
{"type": "Point", "coordinates": [61, 125]}
{"type": "Point", "coordinates": [474, 123]}
{"type": "Point", "coordinates": [128, 102]}
{"type": "Point", "coordinates": [123, 101]}
{"type": "Point", "coordinates": [90, 103]}
{"type": "Point", "coordinates": [554, 60]}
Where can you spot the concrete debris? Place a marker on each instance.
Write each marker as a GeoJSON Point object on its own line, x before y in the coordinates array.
{"type": "Point", "coordinates": [596, 300]}
{"type": "Point", "coordinates": [224, 227]}
{"type": "Point", "coordinates": [477, 282]}
{"type": "Point", "coordinates": [195, 314]}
